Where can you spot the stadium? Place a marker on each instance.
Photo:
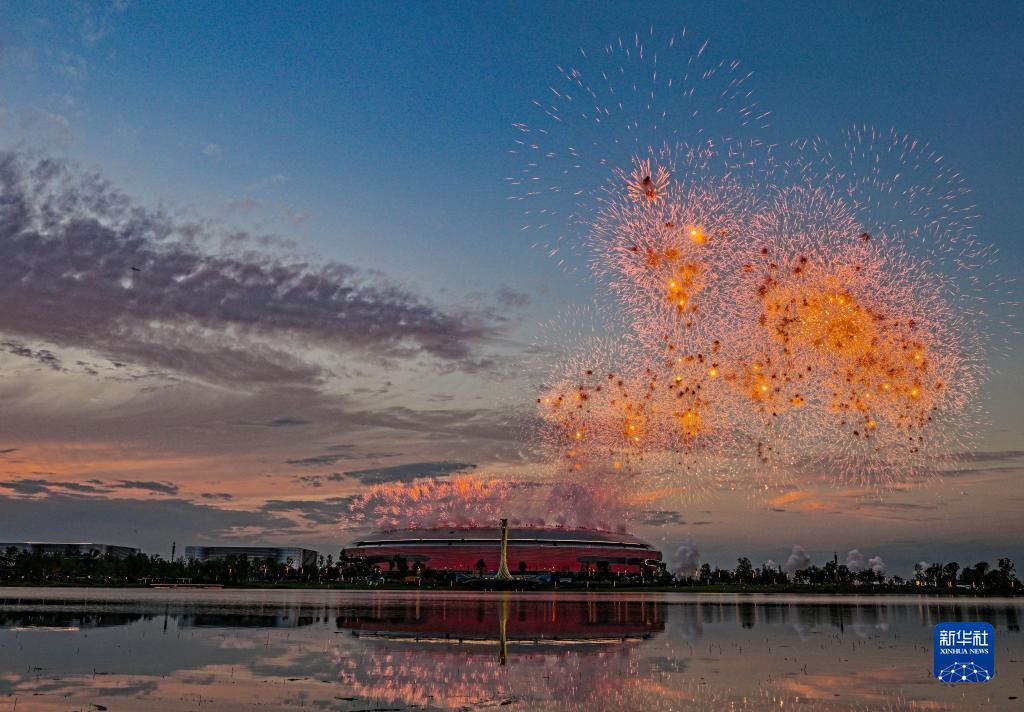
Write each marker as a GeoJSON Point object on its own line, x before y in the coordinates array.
{"type": "Point", "coordinates": [531, 550]}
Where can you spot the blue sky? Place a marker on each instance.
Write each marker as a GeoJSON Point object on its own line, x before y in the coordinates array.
{"type": "Point", "coordinates": [392, 119]}
{"type": "Point", "coordinates": [377, 136]}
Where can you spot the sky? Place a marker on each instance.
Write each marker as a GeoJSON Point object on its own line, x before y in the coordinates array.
{"type": "Point", "coordinates": [291, 158]}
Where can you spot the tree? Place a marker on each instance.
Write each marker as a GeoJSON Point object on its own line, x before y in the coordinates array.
{"type": "Point", "coordinates": [949, 572]}
{"type": "Point", "coordinates": [744, 570]}
{"type": "Point", "coordinates": [830, 572]}
{"type": "Point", "coordinates": [481, 567]}
{"type": "Point", "coordinates": [1006, 572]}
{"type": "Point", "coordinates": [705, 574]}
{"type": "Point", "coordinates": [933, 574]}
{"type": "Point", "coordinates": [980, 570]}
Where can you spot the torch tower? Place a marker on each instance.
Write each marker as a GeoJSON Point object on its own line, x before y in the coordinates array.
{"type": "Point", "coordinates": [503, 573]}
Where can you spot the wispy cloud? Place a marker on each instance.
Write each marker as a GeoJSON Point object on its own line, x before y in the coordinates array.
{"type": "Point", "coordinates": [160, 487]}
{"type": "Point", "coordinates": [43, 356]}
{"type": "Point", "coordinates": [84, 265]}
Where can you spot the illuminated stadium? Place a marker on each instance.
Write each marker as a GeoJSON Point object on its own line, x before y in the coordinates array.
{"type": "Point", "coordinates": [531, 550]}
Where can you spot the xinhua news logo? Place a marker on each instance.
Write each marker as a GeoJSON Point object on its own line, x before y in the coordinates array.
{"type": "Point", "coordinates": [965, 652]}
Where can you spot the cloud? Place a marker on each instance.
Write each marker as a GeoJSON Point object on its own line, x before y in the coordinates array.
{"type": "Point", "coordinates": [26, 487]}
{"type": "Point", "coordinates": [876, 564]}
{"type": "Point", "coordinates": [512, 298]}
{"type": "Point", "coordinates": [330, 510]}
{"type": "Point", "coordinates": [149, 523]}
{"type": "Point", "coordinates": [409, 472]}
{"type": "Point", "coordinates": [43, 356]}
{"type": "Point", "coordinates": [287, 422]}
{"type": "Point", "coordinates": [221, 496]}
{"type": "Point", "coordinates": [990, 456]}
{"type": "Point", "coordinates": [30, 487]}
{"type": "Point", "coordinates": [213, 151]}
{"type": "Point", "coordinates": [319, 460]}
{"type": "Point", "coordinates": [379, 475]}
{"type": "Point", "coordinates": [160, 487]}
{"type": "Point", "coordinates": [798, 559]}
{"type": "Point", "coordinates": [660, 517]}
{"type": "Point", "coordinates": [83, 265]}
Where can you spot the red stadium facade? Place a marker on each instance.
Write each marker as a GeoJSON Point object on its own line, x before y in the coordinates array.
{"type": "Point", "coordinates": [530, 550]}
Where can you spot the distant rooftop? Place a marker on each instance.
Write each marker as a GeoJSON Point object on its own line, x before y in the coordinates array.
{"type": "Point", "coordinates": [79, 548]}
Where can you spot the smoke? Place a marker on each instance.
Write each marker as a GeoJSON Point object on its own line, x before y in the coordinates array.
{"type": "Point", "coordinates": [797, 560]}
{"type": "Point", "coordinates": [855, 560]}
{"type": "Point", "coordinates": [687, 558]}
{"type": "Point", "coordinates": [597, 504]}
{"type": "Point", "coordinates": [876, 564]}
{"type": "Point", "coordinates": [770, 565]}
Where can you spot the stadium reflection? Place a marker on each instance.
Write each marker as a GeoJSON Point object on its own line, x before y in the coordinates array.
{"type": "Point", "coordinates": [506, 622]}
{"type": "Point", "coordinates": [235, 650]}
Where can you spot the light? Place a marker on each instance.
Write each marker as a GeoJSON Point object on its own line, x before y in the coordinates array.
{"type": "Point", "coordinates": [713, 372]}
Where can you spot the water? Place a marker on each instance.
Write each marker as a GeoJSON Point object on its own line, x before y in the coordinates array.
{"type": "Point", "coordinates": [94, 649]}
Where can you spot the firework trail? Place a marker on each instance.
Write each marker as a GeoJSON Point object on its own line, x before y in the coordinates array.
{"type": "Point", "coordinates": [620, 106]}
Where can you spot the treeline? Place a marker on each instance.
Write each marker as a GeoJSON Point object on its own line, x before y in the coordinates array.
{"type": "Point", "coordinates": [91, 569]}
{"type": "Point", "coordinates": [982, 576]}
{"type": "Point", "coordinates": [22, 567]}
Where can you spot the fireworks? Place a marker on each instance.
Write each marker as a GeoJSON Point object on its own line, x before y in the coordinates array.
{"type": "Point", "coordinates": [461, 500]}
{"type": "Point", "coordinates": [781, 315]}
{"type": "Point", "coordinates": [762, 316]}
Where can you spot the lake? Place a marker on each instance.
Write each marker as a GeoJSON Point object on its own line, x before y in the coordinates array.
{"type": "Point", "coordinates": [96, 649]}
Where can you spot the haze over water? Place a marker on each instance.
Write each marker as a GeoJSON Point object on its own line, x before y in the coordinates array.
{"type": "Point", "coordinates": [96, 649]}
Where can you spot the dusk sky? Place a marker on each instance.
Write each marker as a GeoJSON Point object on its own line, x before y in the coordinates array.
{"type": "Point", "coordinates": [285, 155]}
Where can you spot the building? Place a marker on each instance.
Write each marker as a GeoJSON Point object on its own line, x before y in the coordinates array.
{"type": "Point", "coordinates": [530, 550]}
{"type": "Point", "coordinates": [299, 557]}
{"type": "Point", "coordinates": [71, 549]}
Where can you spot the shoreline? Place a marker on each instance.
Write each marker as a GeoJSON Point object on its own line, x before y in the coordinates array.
{"type": "Point", "coordinates": [695, 591]}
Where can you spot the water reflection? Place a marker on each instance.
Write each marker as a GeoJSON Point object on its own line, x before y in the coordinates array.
{"type": "Point", "coordinates": [352, 651]}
